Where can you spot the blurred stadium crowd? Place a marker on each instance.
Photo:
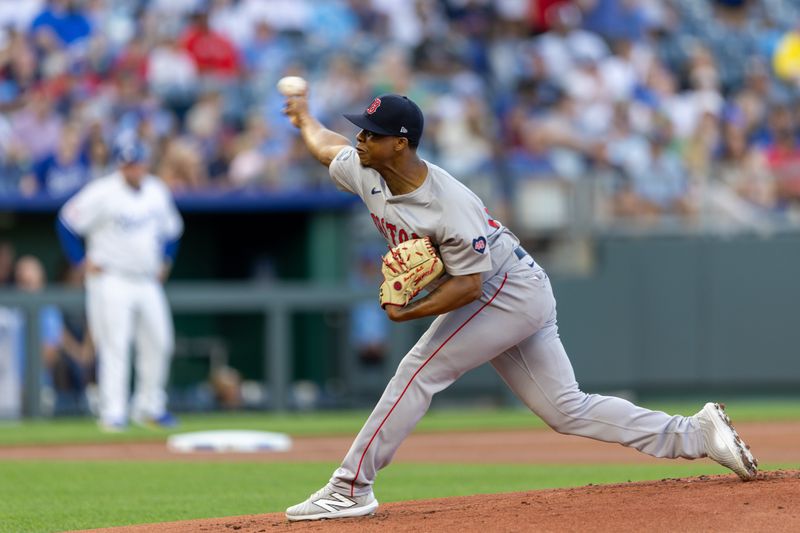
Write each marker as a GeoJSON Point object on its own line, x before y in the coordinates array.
{"type": "Point", "coordinates": [674, 107]}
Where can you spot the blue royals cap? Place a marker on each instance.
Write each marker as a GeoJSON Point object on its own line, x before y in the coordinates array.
{"type": "Point", "coordinates": [391, 114]}
{"type": "Point", "coordinates": [131, 151]}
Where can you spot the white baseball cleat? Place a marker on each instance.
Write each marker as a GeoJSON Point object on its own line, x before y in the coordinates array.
{"type": "Point", "coordinates": [330, 503]}
{"type": "Point", "coordinates": [723, 444]}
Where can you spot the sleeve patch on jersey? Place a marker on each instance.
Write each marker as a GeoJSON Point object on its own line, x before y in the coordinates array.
{"type": "Point", "coordinates": [344, 155]}
{"type": "Point", "coordinates": [479, 244]}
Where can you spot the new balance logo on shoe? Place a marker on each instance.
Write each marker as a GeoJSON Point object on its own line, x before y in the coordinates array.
{"type": "Point", "coordinates": [328, 503]}
{"type": "Point", "coordinates": [337, 500]}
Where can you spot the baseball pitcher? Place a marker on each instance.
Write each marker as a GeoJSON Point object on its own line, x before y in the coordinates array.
{"type": "Point", "coordinates": [493, 304]}
{"type": "Point", "coordinates": [131, 230]}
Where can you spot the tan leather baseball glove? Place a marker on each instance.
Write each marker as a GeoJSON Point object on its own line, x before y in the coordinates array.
{"type": "Point", "coordinates": [407, 269]}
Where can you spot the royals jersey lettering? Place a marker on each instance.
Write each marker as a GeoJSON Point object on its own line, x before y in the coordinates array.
{"type": "Point", "coordinates": [124, 228]}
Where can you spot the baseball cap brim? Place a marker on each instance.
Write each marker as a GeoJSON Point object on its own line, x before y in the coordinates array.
{"type": "Point", "coordinates": [132, 161]}
{"type": "Point", "coordinates": [365, 123]}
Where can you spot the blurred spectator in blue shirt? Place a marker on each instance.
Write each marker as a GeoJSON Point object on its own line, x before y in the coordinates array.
{"type": "Point", "coordinates": [74, 371]}
{"type": "Point", "coordinates": [29, 276]}
{"type": "Point", "coordinates": [17, 69]}
{"type": "Point", "coordinates": [659, 185]}
{"type": "Point", "coordinates": [66, 19]}
{"type": "Point", "coordinates": [66, 170]}
{"type": "Point", "coordinates": [67, 352]}
{"type": "Point", "coordinates": [615, 19]}
{"type": "Point", "coordinates": [15, 165]}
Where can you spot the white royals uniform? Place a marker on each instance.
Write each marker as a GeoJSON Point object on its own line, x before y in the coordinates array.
{"type": "Point", "coordinates": [512, 326]}
{"type": "Point", "coordinates": [125, 230]}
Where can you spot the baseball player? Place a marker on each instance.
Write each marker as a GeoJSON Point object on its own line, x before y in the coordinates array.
{"type": "Point", "coordinates": [131, 228]}
{"type": "Point", "coordinates": [494, 304]}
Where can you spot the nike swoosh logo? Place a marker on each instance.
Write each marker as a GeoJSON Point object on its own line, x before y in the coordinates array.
{"type": "Point", "coordinates": [375, 190]}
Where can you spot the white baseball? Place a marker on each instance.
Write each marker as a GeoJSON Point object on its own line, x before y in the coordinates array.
{"type": "Point", "coordinates": [292, 86]}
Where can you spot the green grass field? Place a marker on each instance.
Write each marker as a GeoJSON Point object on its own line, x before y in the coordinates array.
{"type": "Point", "coordinates": [38, 496]}
{"type": "Point", "coordinates": [82, 430]}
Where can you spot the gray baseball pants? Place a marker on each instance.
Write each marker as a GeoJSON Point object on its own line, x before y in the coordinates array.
{"type": "Point", "coordinates": [513, 326]}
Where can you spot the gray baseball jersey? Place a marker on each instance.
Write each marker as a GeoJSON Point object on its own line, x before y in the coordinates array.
{"type": "Point", "coordinates": [442, 208]}
{"type": "Point", "coordinates": [513, 326]}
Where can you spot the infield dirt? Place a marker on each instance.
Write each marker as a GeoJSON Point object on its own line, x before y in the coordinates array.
{"type": "Point", "coordinates": [706, 503]}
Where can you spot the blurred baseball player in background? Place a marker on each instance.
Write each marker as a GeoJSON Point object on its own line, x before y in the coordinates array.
{"type": "Point", "coordinates": [131, 228]}
{"type": "Point", "coordinates": [495, 304]}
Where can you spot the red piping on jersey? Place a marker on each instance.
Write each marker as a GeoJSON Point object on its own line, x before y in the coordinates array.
{"type": "Point", "coordinates": [428, 360]}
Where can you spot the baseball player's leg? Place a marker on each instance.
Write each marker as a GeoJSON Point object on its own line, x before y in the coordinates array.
{"type": "Point", "coordinates": [110, 316]}
{"type": "Point", "coordinates": [455, 343]}
{"type": "Point", "coordinates": [540, 374]}
{"type": "Point", "coordinates": [154, 344]}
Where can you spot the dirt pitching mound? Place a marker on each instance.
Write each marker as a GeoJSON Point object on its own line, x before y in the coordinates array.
{"type": "Point", "coordinates": [705, 503]}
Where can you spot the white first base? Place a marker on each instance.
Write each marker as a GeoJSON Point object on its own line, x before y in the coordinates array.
{"type": "Point", "coordinates": [240, 441]}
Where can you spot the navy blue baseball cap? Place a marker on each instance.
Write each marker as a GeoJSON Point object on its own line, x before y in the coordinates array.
{"type": "Point", "coordinates": [131, 151]}
{"type": "Point", "coordinates": [391, 114]}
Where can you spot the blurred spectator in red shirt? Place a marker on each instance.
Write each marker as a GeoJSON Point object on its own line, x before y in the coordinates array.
{"type": "Point", "coordinates": [783, 153]}
{"type": "Point", "coordinates": [133, 60]}
{"type": "Point", "coordinates": [212, 52]}
{"type": "Point", "coordinates": [537, 11]}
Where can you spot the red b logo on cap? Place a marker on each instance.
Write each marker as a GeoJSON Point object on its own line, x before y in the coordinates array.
{"type": "Point", "coordinates": [374, 106]}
